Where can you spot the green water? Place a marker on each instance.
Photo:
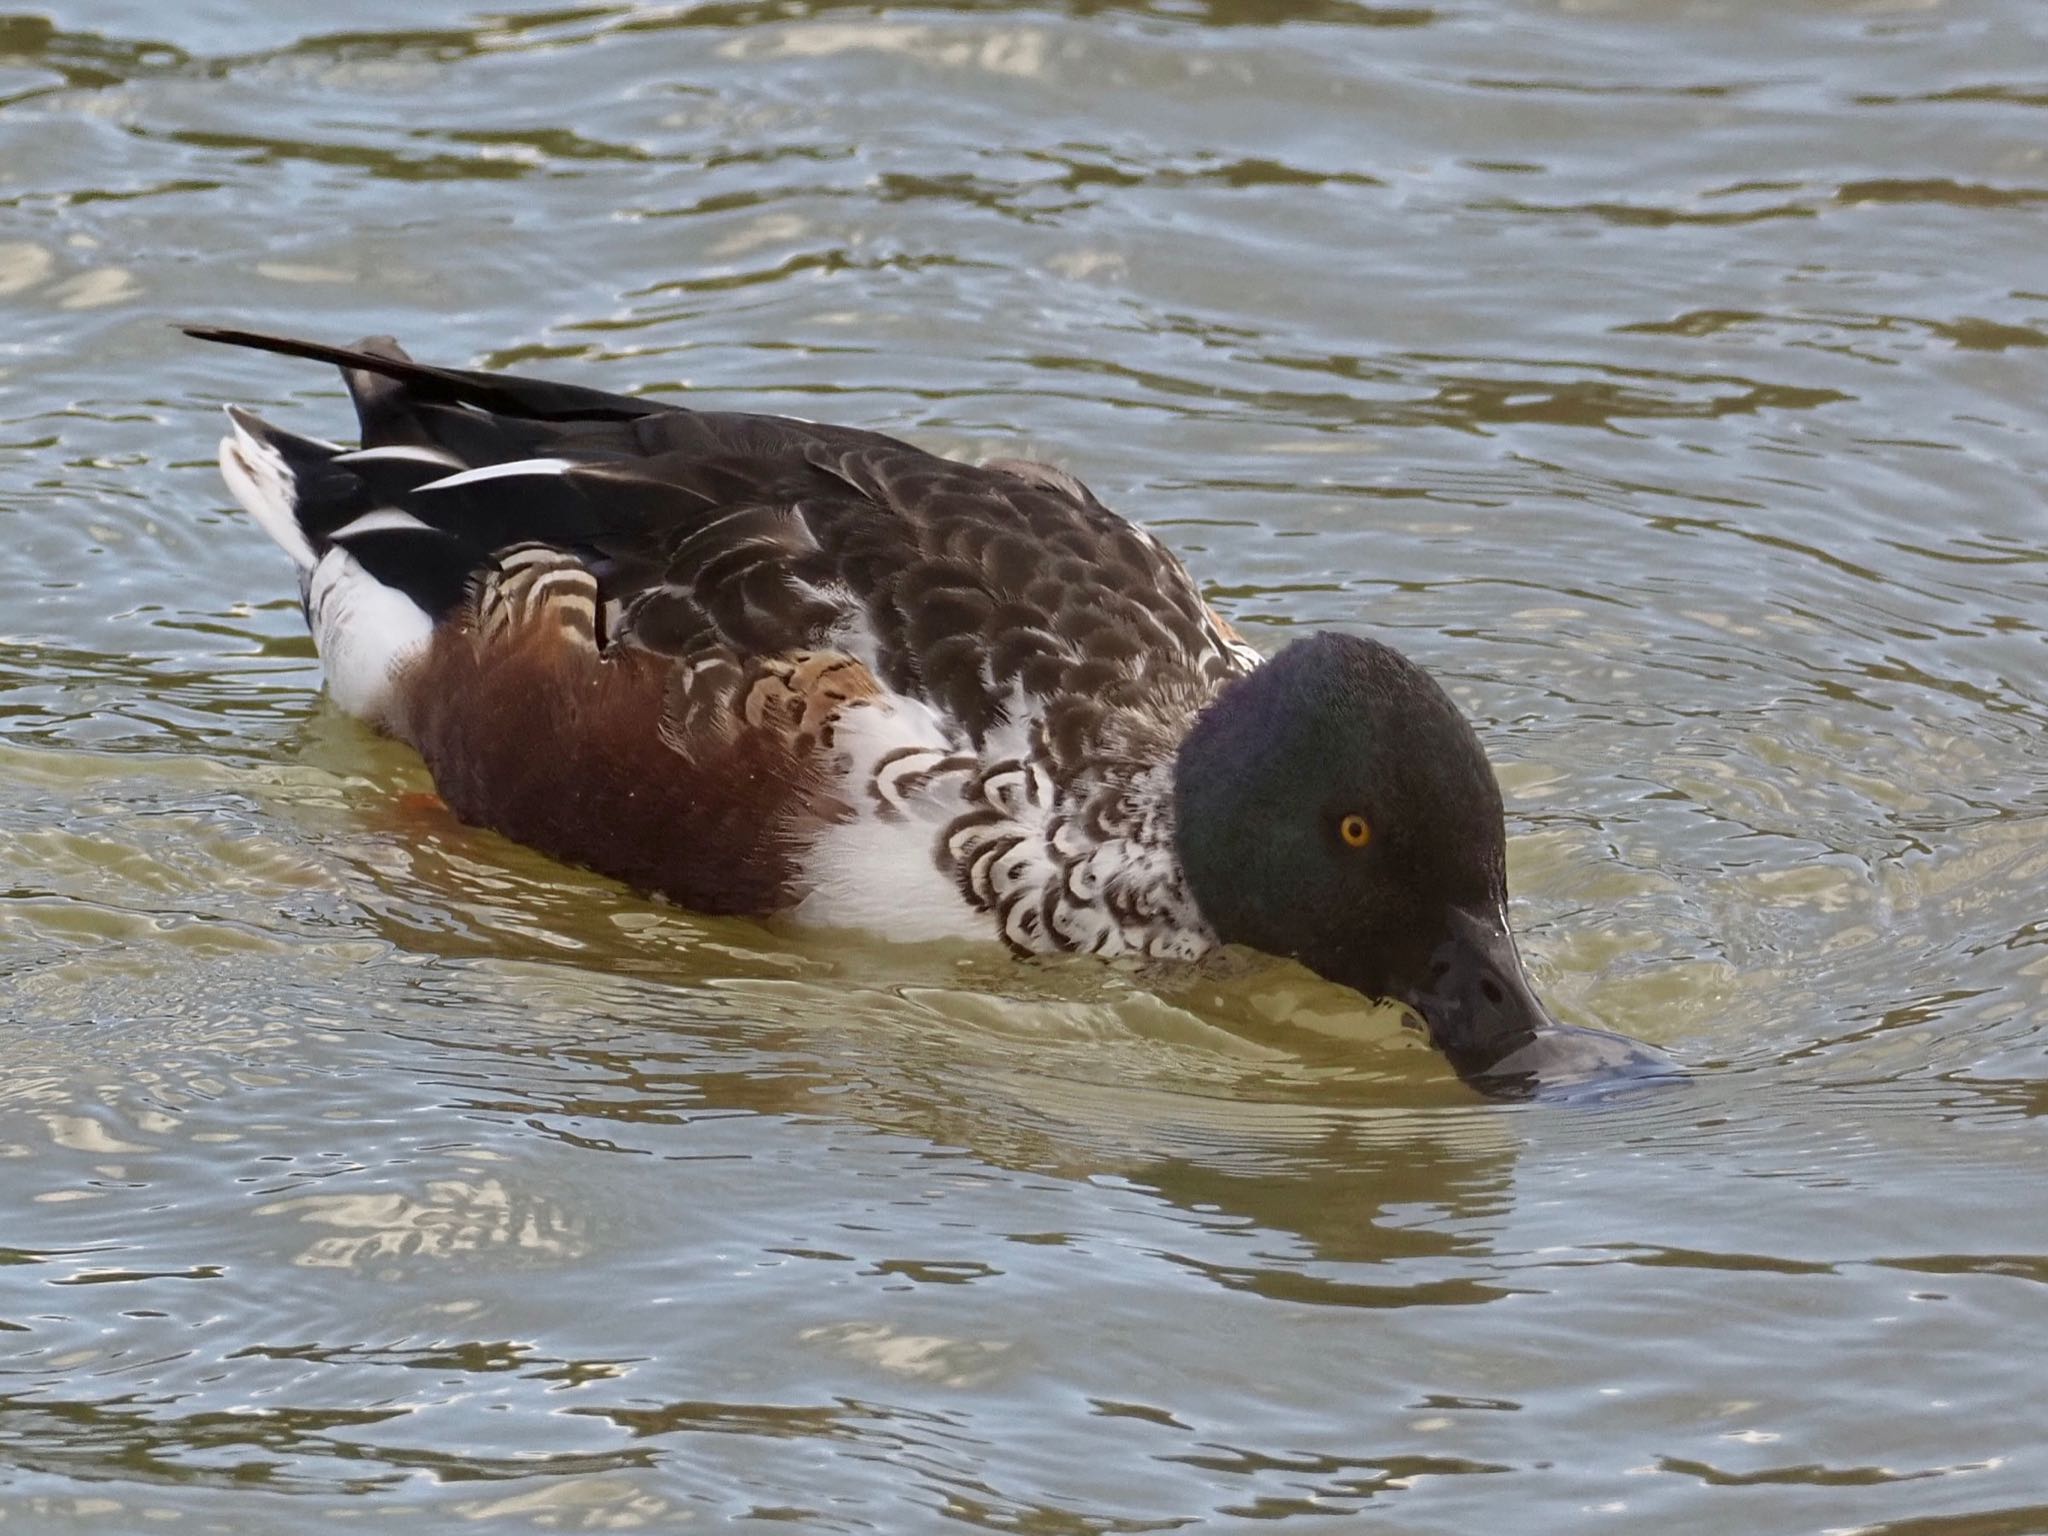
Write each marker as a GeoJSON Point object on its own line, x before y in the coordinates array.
{"type": "Point", "coordinates": [1670, 377]}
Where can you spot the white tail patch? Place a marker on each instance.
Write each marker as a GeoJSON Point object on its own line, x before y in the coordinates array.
{"type": "Point", "coordinates": [263, 483]}
{"type": "Point", "coordinates": [366, 633]}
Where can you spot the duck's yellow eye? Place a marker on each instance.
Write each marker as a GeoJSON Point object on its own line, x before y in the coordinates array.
{"type": "Point", "coordinates": [1355, 830]}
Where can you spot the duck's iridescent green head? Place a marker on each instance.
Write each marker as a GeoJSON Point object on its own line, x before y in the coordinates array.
{"type": "Point", "coordinates": [1335, 806]}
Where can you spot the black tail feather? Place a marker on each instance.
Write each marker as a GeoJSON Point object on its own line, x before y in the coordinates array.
{"type": "Point", "coordinates": [536, 399]}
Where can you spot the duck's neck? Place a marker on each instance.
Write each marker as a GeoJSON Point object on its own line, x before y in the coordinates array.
{"type": "Point", "coordinates": [1135, 865]}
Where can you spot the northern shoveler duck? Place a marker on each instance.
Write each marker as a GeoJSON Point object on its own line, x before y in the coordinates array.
{"type": "Point", "coordinates": [761, 665]}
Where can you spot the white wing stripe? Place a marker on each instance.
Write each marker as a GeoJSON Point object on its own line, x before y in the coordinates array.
{"type": "Point", "coordinates": [383, 520]}
{"type": "Point", "coordinates": [502, 471]}
{"type": "Point", "coordinates": [414, 454]}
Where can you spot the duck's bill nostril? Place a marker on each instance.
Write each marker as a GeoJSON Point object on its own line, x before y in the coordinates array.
{"type": "Point", "coordinates": [1477, 1003]}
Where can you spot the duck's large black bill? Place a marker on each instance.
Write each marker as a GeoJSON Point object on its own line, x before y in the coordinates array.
{"type": "Point", "coordinates": [1475, 1000]}
{"type": "Point", "coordinates": [1483, 1015]}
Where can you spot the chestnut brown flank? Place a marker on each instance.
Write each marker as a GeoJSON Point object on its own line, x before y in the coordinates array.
{"type": "Point", "coordinates": [540, 737]}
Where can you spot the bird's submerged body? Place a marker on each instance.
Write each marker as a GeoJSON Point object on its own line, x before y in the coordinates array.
{"type": "Point", "coordinates": [754, 664]}
{"type": "Point", "coordinates": [767, 666]}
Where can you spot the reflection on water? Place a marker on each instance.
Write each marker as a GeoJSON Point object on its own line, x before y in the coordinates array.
{"type": "Point", "coordinates": [1667, 377]}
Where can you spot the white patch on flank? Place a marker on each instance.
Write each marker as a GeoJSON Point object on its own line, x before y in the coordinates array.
{"type": "Point", "coordinates": [260, 480]}
{"type": "Point", "coordinates": [384, 520]}
{"type": "Point", "coordinates": [877, 872]}
{"type": "Point", "coordinates": [366, 632]}
{"type": "Point", "coordinates": [502, 471]}
{"type": "Point", "coordinates": [416, 455]}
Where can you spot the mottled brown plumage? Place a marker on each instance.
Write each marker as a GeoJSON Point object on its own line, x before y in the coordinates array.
{"type": "Point", "coordinates": [696, 782]}
{"type": "Point", "coordinates": [768, 535]}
